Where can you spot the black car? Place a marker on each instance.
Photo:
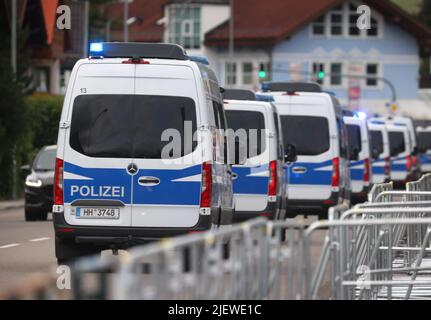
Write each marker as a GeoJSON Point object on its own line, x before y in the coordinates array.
{"type": "Point", "coordinates": [39, 184]}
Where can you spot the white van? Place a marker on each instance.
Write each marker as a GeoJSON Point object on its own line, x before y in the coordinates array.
{"type": "Point", "coordinates": [399, 144]}
{"type": "Point", "coordinates": [360, 158]}
{"type": "Point", "coordinates": [313, 122]}
{"type": "Point", "coordinates": [129, 167]}
{"type": "Point", "coordinates": [379, 140]}
{"type": "Point", "coordinates": [424, 145]}
{"type": "Point", "coordinates": [259, 184]}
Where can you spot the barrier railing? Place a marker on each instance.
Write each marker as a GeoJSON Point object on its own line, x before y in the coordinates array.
{"type": "Point", "coordinates": [376, 250]}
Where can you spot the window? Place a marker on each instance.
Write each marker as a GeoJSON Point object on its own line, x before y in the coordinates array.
{"type": "Point", "coordinates": [129, 126]}
{"type": "Point", "coordinates": [336, 19]}
{"type": "Point", "coordinates": [247, 73]}
{"type": "Point", "coordinates": [318, 69]}
{"type": "Point", "coordinates": [185, 26]}
{"type": "Point", "coordinates": [336, 71]}
{"type": "Point", "coordinates": [45, 160]}
{"type": "Point", "coordinates": [342, 21]}
{"type": "Point", "coordinates": [41, 79]}
{"type": "Point", "coordinates": [424, 140]}
{"type": "Point", "coordinates": [376, 141]}
{"type": "Point", "coordinates": [397, 143]}
{"type": "Point", "coordinates": [372, 70]}
{"type": "Point", "coordinates": [296, 131]}
{"type": "Point", "coordinates": [230, 71]}
{"type": "Point", "coordinates": [354, 134]}
{"type": "Point", "coordinates": [318, 26]}
{"type": "Point", "coordinates": [249, 120]}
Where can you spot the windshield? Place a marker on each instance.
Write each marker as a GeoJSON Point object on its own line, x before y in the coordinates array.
{"type": "Point", "coordinates": [376, 141]}
{"type": "Point", "coordinates": [424, 140]}
{"type": "Point", "coordinates": [45, 160]}
{"type": "Point", "coordinates": [396, 143]}
{"type": "Point", "coordinates": [131, 126]}
{"type": "Point", "coordinates": [309, 134]}
{"type": "Point", "coordinates": [249, 120]}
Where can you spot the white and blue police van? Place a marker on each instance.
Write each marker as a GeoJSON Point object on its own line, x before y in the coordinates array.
{"type": "Point", "coordinates": [312, 121]}
{"type": "Point", "coordinates": [140, 150]}
{"type": "Point", "coordinates": [400, 151]}
{"type": "Point", "coordinates": [423, 133]}
{"type": "Point", "coordinates": [258, 184]}
{"type": "Point", "coordinates": [379, 140]}
{"type": "Point", "coordinates": [360, 158]}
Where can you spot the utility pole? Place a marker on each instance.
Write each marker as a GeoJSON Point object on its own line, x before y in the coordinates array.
{"type": "Point", "coordinates": [86, 26]}
{"type": "Point", "coordinates": [126, 17]}
{"type": "Point", "coordinates": [14, 23]}
{"type": "Point", "coordinates": [231, 30]}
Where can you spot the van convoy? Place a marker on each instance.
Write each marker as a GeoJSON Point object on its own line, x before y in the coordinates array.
{"type": "Point", "coordinates": [150, 146]}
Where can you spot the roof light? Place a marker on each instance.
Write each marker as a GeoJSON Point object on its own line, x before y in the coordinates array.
{"type": "Point", "coordinates": [265, 86]}
{"type": "Point", "coordinates": [264, 98]}
{"type": "Point", "coordinates": [199, 59]}
{"type": "Point", "coordinates": [96, 47]}
{"type": "Point", "coordinates": [361, 115]}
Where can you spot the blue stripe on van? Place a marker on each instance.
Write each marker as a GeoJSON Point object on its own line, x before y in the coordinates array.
{"type": "Point", "coordinates": [357, 174]}
{"type": "Point", "coordinates": [246, 184]}
{"type": "Point", "coordinates": [315, 174]}
{"type": "Point", "coordinates": [116, 184]}
{"type": "Point", "coordinates": [378, 169]}
{"type": "Point", "coordinates": [425, 159]}
{"type": "Point", "coordinates": [398, 167]}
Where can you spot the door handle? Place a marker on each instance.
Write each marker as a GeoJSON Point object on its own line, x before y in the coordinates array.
{"type": "Point", "coordinates": [148, 181]}
{"type": "Point", "coordinates": [234, 176]}
{"type": "Point", "coordinates": [300, 170]}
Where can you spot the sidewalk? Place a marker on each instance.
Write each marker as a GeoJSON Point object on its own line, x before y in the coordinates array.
{"type": "Point", "coordinates": [11, 204]}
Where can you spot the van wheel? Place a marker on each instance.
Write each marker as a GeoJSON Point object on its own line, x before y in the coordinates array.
{"type": "Point", "coordinates": [67, 251]}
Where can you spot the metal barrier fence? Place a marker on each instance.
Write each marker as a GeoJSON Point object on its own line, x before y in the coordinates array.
{"type": "Point", "coordinates": [376, 250]}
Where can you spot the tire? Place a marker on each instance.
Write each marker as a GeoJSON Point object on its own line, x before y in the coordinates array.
{"type": "Point", "coordinates": [43, 216]}
{"type": "Point", "coordinates": [31, 215]}
{"type": "Point", "coordinates": [67, 251]}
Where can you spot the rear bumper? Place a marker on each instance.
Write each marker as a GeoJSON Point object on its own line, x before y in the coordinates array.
{"type": "Point", "coordinates": [312, 207]}
{"type": "Point", "coordinates": [269, 212]}
{"type": "Point", "coordinates": [119, 237]}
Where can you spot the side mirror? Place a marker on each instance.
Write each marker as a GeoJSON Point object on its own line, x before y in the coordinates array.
{"type": "Point", "coordinates": [222, 90]}
{"type": "Point", "coordinates": [354, 154]}
{"type": "Point", "coordinates": [26, 169]}
{"type": "Point", "coordinates": [290, 154]}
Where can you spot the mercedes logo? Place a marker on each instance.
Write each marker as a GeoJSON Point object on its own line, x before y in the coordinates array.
{"type": "Point", "coordinates": [132, 169]}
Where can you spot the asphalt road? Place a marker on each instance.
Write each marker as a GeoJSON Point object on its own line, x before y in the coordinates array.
{"type": "Point", "coordinates": [26, 248]}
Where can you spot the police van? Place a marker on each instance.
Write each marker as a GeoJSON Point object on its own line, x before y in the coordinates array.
{"type": "Point", "coordinates": [360, 158]}
{"type": "Point", "coordinates": [424, 145]}
{"type": "Point", "coordinates": [312, 121]}
{"type": "Point", "coordinates": [140, 150]}
{"type": "Point", "coordinates": [399, 145]}
{"type": "Point", "coordinates": [258, 184]}
{"type": "Point", "coordinates": [379, 140]}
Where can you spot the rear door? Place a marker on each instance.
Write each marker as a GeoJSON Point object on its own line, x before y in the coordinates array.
{"type": "Point", "coordinates": [167, 183]}
{"type": "Point", "coordinates": [306, 123]}
{"type": "Point", "coordinates": [97, 186]}
{"type": "Point", "coordinates": [357, 166]}
{"type": "Point", "coordinates": [399, 148]}
{"type": "Point", "coordinates": [251, 179]}
{"type": "Point", "coordinates": [377, 137]}
{"type": "Point", "coordinates": [424, 144]}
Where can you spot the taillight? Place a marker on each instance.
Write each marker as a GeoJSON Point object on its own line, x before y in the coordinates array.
{"type": "Point", "coordinates": [272, 185]}
{"type": "Point", "coordinates": [207, 183]}
{"type": "Point", "coordinates": [414, 161]}
{"type": "Point", "coordinates": [367, 171]}
{"type": "Point", "coordinates": [58, 182]}
{"type": "Point", "coordinates": [388, 166]}
{"type": "Point", "coordinates": [336, 173]}
{"type": "Point", "coordinates": [409, 163]}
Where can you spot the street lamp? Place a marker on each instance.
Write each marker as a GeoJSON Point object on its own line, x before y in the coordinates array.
{"type": "Point", "coordinates": [126, 19]}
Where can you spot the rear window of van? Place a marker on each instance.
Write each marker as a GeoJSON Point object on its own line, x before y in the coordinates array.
{"type": "Point", "coordinates": [397, 143]}
{"type": "Point", "coordinates": [354, 134]}
{"type": "Point", "coordinates": [424, 140]}
{"type": "Point", "coordinates": [377, 141]}
{"type": "Point", "coordinates": [130, 126]}
{"type": "Point", "coordinates": [309, 134]}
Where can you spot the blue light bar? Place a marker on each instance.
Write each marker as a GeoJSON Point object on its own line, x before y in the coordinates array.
{"type": "Point", "coordinates": [264, 98]}
{"type": "Point", "coordinates": [361, 115]}
{"type": "Point", "coordinates": [265, 86]}
{"type": "Point", "coordinates": [200, 59]}
{"type": "Point", "coordinates": [96, 47]}
{"type": "Point", "coordinates": [377, 122]}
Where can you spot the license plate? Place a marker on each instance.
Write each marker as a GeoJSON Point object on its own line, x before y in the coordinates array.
{"type": "Point", "coordinates": [98, 213]}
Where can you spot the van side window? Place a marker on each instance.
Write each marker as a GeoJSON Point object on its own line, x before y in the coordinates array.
{"type": "Point", "coordinates": [219, 115]}
{"type": "Point", "coordinates": [131, 126]}
{"type": "Point", "coordinates": [280, 155]}
{"type": "Point", "coordinates": [397, 143]}
{"type": "Point", "coordinates": [355, 140]}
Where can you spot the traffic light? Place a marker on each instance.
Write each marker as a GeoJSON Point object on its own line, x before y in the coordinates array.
{"type": "Point", "coordinates": [262, 72]}
{"type": "Point", "coordinates": [321, 75]}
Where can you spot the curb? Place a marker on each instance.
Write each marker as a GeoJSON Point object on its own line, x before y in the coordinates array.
{"type": "Point", "coordinates": [12, 206]}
